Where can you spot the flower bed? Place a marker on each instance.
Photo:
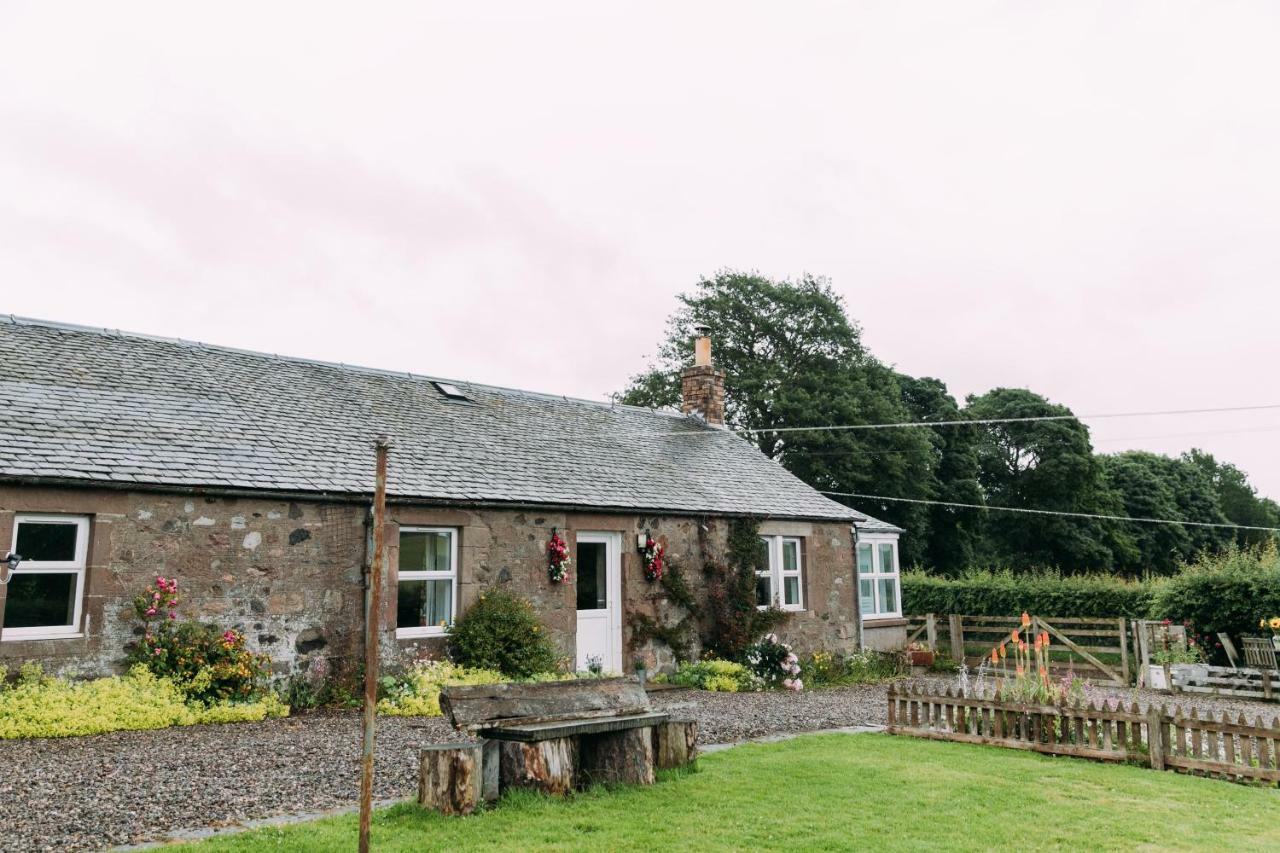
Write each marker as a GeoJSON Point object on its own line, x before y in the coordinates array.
{"type": "Point", "coordinates": [40, 706]}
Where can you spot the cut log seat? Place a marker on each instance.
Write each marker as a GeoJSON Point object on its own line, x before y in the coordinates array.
{"type": "Point", "coordinates": [450, 777]}
{"type": "Point", "coordinates": [558, 736]}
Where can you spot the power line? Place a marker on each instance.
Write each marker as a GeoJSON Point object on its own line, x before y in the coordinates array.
{"type": "Point", "coordinates": [1032, 419]}
{"type": "Point", "coordinates": [1055, 512]}
{"type": "Point", "coordinates": [977, 421]}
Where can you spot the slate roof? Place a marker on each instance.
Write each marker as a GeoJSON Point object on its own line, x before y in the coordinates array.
{"type": "Point", "coordinates": [875, 525]}
{"type": "Point", "coordinates": [100, 405]}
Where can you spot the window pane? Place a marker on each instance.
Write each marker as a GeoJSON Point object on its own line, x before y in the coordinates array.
{"type": "Point", "coordinates": [866, 600]}
{"type": "Point", "coordinates": [424, 552]}
{"type": "Point", "coordinates": [593, 592]}
{"type": "Point", "coordinates": [41, 600]}
{"type": "Point", "coordinates": [888, 595]}
{"type": "Point", "coordinates": [886, 558]}
{"type": "Point", "coordinates": [424, 604]}
{"type": "Point", "coordinates": [864, 558]}
{"type": "Point", "coordinates": [41, 541]}
{"type": "Point", "coordinates": [790, 556]}
{"type": "Point", "coordinates": [766, 558]}
{"type": "Point", "coordinates": [764, 596]}
{"type": "Point", "coordinates": [791, 590]}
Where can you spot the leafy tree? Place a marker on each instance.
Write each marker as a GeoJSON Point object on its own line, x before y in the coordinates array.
{"type": "Point", "coordinates": [1147, 488]}
{"type": "Point", "coordinates": [1237, 499]}
{"type": "Point", "coordinates": [792, 358]}
{"type": "Point", "coordinates": [1047, 465]}
{"type": "Point", "coordinates": [955, 534]}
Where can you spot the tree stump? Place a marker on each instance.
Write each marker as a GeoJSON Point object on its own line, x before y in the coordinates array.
{"type": "Point", "coordinates": [675, 744]}
{"type": "Point", "coordinates": [449, 777]}
{"type": "Point", "coordinates": [550, 766]}
{"type": "Point", "coordinates": [618, 757]}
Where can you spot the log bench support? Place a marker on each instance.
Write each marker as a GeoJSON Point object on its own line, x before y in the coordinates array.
{"type": "Point", "coordinates": [550, 766]}
{"type": "Point", "coordinates": [675, 744]}
{"type": "Point", "coordinates": [449, 778]}
{"type": "Point", "coordinates": [614, 758]}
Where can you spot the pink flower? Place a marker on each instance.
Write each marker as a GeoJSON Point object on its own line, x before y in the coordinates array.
{"type": "Point", "coordinates": [173, 615]}
{"type": "Point", "coordinates": [151, 611]}
{"type": "Point", "coordinates": [788, 683]}
{"type": "Point", "coordinates": [157, 650]}
{"type": "Point", "coordinates": [797, 685]}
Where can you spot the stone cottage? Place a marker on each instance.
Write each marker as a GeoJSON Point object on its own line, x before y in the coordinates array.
{"type": "Point", "coordinates": [249, 476]}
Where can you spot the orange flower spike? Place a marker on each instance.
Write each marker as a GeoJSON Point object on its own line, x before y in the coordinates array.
{"type": "Point", "coordinates": [1004, 651]}
{"type": "Point", "coordinates": [1026, 620]}
{"type": "Point", "coordinates": [1014, 635]}
{"type": "Point", "coordinates": [1021, 671]}
{"type": "Point", "coordinates": [995, 656]}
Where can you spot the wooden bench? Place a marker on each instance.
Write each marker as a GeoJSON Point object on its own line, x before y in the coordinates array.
{"type": "Point", "coordinates": [554, 737]}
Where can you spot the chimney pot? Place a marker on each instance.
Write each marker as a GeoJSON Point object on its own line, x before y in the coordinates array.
{"type": "Point", "coordinates": [702, 386]}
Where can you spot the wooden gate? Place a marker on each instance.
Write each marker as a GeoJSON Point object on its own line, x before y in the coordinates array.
{"type": "Point", "coordinates": [1095, 648]}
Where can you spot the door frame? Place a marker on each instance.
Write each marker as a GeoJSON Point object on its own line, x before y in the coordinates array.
{"type": "Point", "coordinates": [613, 584]}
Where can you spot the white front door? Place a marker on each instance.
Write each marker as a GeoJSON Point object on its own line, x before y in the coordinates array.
{"type": "Point", "coordinates": [599, 581]}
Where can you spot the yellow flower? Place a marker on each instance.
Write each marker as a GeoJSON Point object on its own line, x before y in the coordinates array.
{"type": "Point", "coordinates": [1275, 622]}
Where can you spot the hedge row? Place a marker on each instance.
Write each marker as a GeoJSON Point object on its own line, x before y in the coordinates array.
{"type": "Point", "coordinates": [1230, 593]}
{"type": "Point", "coordinates": [985, 593]}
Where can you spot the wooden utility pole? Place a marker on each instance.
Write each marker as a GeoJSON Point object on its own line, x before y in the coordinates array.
{"type": "Point", "coordinates": [372, 630]}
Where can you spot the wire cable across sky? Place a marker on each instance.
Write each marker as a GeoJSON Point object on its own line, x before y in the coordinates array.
{"type": "Point", "coordinates": [1090, 515]}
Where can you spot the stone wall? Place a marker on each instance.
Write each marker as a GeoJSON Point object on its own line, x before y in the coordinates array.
{"type": "Point", "coordinates": [290, 573]}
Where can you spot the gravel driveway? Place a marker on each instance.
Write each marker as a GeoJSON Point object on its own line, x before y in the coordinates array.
{"type": "Point", "coordinates": [126, 787]}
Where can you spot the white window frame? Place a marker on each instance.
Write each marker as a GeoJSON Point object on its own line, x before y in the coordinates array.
{"type": "Point", "coordinates": [777, 574]}
{"type": "Point", "coordinates": [451, 575]}
{"type": "Point", "coordinates": [75, 566]}
{"type": "Point", "coordinates": [878, 573]}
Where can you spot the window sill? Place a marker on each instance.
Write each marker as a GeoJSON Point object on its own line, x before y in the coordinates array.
{"type": "Point", "coordinates": [10, 637]}
{"type": "Point", "coordinates": [419, 633]}
{"type": "Point", "coordinates": [785, 609]}
{"type": "Point", "coordinates": [883, 621]}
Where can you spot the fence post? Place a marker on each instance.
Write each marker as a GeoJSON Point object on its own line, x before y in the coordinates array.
{"type": "Point", "coordinates": [1124, 649]}
{"type": "Point", "coordinates": [931, 630]}
{"type": "Point", "coordinates": [957, 638]}
{"type": "Point", "coordinates": [1155, 738]}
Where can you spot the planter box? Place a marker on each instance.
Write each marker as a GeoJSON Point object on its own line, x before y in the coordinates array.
{"type": "Point", "coordinates": [921, 658]}
{"type": "Point", "coordinates": [1155, 677]}
{"type": "Point", "coordinates": [1186, 673]}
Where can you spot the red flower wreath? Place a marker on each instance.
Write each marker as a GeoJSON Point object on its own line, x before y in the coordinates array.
{"type": "Point", "coordinates": [654, 559]}
{"type": "Point", "coordinates": [557, 559]}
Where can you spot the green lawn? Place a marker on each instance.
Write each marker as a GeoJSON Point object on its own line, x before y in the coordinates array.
{"type": "Point", "coordinates": [838, 792]}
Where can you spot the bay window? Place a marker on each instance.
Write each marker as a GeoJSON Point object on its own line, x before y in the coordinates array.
{"type": "Point", "coordinates": [879, 593]}
{"type": "Point", "coordinates": [427, 587]}
{"type": "Point", "coordinates": [779, 575]}
{"type": "Point", "coordinates": [45, 596]}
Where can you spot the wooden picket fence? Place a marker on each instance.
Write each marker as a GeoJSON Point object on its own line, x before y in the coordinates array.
{"type": "Point", "coordinates": [1237, 750]}
{"type": "Point", "coordinates": [1098, 647]}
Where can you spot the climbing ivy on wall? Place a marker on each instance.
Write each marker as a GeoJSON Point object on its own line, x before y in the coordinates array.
{"type": "Point", "coordinates": [725, 620]}
{"type": "Point", "coordinates": [730, 620]}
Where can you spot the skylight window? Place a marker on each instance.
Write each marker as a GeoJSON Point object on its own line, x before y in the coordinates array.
{"type": "Point", "coordinates": [453, 392]}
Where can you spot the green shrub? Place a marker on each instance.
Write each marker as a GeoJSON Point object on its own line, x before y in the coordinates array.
{"type": "Point", "coordinates": [416, 693]}
{"type": "Point", "coordinates": [1228, 593]}
{"type": "Point", "coordinates": [987, 593]}
{"type": "Point", "coordinates": [720, 676]}
{"type": "Point", "coordinates": [825, 669]}
{"type": "Point", "coordinates": [39, 706]}
{"type": "Point", "coordinates": [501, 632]}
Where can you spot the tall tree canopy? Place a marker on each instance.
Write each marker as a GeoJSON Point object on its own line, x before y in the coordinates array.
{"type": "Point", "coordinates": [1044, 465]}
{"type": "Point", "coordinates": [793, 358]}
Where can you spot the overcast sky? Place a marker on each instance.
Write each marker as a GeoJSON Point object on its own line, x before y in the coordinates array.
{"type": "Point", "coordinates": [1079, 198]}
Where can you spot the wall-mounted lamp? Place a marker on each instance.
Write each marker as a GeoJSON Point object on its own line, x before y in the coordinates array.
{"type": "Point", "coordinates": [11, 561]}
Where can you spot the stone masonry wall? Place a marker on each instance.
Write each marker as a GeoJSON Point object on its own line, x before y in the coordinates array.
{"type": "Point", "coordinates": [290, 574]}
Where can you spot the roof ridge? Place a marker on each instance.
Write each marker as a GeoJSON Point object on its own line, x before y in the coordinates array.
{"type": "Point", "coordinates": [17, 320]}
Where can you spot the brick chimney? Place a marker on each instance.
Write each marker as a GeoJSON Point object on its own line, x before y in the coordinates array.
{"type": "Point", "coordinates": [702, 386]}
